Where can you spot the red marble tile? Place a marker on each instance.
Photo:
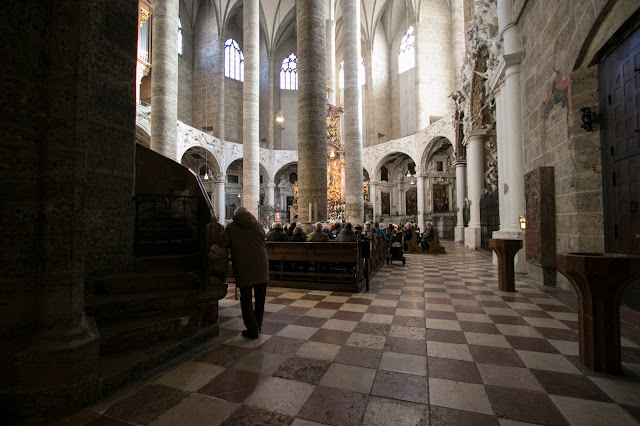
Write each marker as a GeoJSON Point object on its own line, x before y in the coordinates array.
{"type": "Point", "coordinates": [233, 385]}
{"type": "Point", "coordinates": [281, 345]}
{"type": "Point", "coordinates": [406, 387]}
{"type": "Point", "coordinates": [496, 356]}
{"type": "Point", "coordinates": [325, 335]}
{"type": "Point", "coordinates": [253, 416]}
{"type": "Point", "coordinates": [571, 385]}
{"type": "Point", "coordinates": [310, 321]}
{"type": "Point", "coordinates": [328, 305]}
{"type": "Point", "coordinates": [558, 334]}
{"type": "Point", "coordinates": [408, 321]}
{"type": "Point", "coordinates": [453, 369]}
{"type": "Point", "coordinates": [441, 416]}
{"type": "Point", "coordinates": [303, 370]}
{"type": "Point", "coordinates": [348, 315]}
{"type": "Point", "coordinates": [334, 407]}
{"type": "Point", "coordinates": [147, 404]}
{"type": "Point", "coordinates": [531, 344]}
{"type": "Point", "coordinates": [446, 336]}
{"type": "Point", "coordinates": [224, 355]}
{"type": "Point", "coordinates": [524, 406]}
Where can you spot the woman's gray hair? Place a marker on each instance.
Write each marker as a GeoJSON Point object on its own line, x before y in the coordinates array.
{"type": "Point", "coordinates": [318, 226]}
{"type": "Point", "coordinates": [240, 210]}
{"type": "Point", "coordinates": [276, 225]}
{"type": "Point", "coordinates": [298, 230]}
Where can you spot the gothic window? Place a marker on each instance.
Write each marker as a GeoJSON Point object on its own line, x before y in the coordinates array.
{"type": "Point", "coordinates": [179, 37]}
{"type": "Point", "coordinates": [289, 73]}
{"type": "Point", "coordinates": [233, 60]}
{"type": "Point", "coordinates": [361, 74]}
{"type": "Point", "coordinates": [406, 57]}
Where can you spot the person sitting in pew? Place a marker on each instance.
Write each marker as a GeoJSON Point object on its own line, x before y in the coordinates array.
{"type": "Point", "coordinates": [347, 235]}
{"type": "Point", "coordinates": [317, 236]}
{"type": "Point", "coordinates": [298, 234]}
{"type": "Point", "coordinates": [428, 236]}
{"type": "Point", "coordinates": [276, 233]}
{"type": "Point", "coordinates": [327, 230]}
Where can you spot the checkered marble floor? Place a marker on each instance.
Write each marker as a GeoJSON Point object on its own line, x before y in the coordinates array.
{"type": "Point", "coordinates": [433, 342]}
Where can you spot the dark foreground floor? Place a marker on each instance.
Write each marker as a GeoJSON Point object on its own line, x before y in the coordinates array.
{"type": "Point", "coordinates": [433, 342]}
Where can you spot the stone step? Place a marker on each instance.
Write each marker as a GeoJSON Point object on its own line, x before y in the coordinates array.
{"type": "Point", "coordinates": [168, 263]}
{"type": "Point", "coordinates": [139, 282]}
{"type": "Point", "coordinates": [127, 305]}
{"type": "Point", "coordinates": [126, 366]}
{"type": "Point", "coordinates": [126, 334]}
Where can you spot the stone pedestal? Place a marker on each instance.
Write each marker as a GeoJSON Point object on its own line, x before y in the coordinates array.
{"type": "Point", "coordinates": [472, 238]}
{"type": "Point", "coordinates": [520, 261]}
{"type": "Point", "coordinates": [599, 280]}
{"type": "Point", "coordinates": [475, 179]}
{"type": "Point", "coordinates": [506, 251]}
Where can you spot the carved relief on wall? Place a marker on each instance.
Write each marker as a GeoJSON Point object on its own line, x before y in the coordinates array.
{"type": "Point", "coordinates": [490, 165]}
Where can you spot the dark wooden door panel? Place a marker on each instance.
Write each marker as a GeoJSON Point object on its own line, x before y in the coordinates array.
{"type": "Point", "coordinates": [620, 112]}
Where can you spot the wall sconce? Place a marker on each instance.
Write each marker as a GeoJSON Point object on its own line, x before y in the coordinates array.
{"type": "Point", "coordinates": [588, 118]}
{"type": "Point", "coordinates": [523, 222]}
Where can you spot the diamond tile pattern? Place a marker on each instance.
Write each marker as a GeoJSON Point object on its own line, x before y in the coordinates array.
{"type": "Point", "coordinates": [433, 342]}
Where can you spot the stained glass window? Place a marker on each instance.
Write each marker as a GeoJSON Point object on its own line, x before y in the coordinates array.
{"type": "Point", "coordinates": [233, 60]}
{"type": "Point", "coordinates": [289, 73]}
{"type": "Point", "coordinates": [407, 57]}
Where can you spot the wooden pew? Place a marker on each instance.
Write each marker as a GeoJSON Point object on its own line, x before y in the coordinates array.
{"type": "Point", "coordinates": [318, 266]}
{"type": "Point", "coordinates": [414, 243]}
{"type": "Point", "coordinates": [434, 245]}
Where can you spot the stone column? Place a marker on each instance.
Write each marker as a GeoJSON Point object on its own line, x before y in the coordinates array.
{"type": "Point", "coordinates": [250, 107]}
{"type": "Point", "coordinates": [420, 189]}
{"type": "Point", "coordinates": [219, 72]}
{"type": "Point", "coordinates": [512, 137]}
{"type": "Point", "coordinates": [271, 115]}
{"type": "Point", "coordinates": [475, 179]}
{"type": "Point", "coordinates": [312, 111]}
{"type": "Point", "coordinates": [221, 208]}
{"type": "Point", "coordinates": [504, 196]}
{"type": "Point", "coordinates": [372, 199]}
{"type": "Point", "coordinates": [354, 200]}
{"type": "Point", "coordinates": [271, 194]}
{"type": "Point", "coordinates": [330, 58]}
{"type": "Point", "coordinates": [461, 193]}
{"type": "Point", "coordinates": [164, 78]}
{"type": "Point", "coordinates": [372, 135]}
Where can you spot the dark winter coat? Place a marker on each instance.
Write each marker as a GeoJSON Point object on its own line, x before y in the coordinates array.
{"type": "Point", "coordinates": [277, 235]}
{"type": "Point", "coordinates": [346, 237]}
{"type": "Point", "coordinates": [245, 237]}
{"type": "Point", "coordinates": [318, 237]}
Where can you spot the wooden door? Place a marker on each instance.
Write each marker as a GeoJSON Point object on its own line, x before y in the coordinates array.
{"type": "Point", "coordinates": [619, 76]}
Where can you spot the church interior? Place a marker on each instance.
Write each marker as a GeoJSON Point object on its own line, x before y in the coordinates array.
{"type": "Point", "coordinates": [133, 129]}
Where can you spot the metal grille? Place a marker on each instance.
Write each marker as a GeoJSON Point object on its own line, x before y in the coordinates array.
{"type": "Point", "coordinates": [489, 217]}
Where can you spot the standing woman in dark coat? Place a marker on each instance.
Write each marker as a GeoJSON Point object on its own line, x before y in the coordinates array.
{"type": "Point", "coordinates": [245, 237]}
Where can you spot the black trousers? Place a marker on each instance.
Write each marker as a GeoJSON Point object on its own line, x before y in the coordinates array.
{"type": "Point", "coordinates": [252, 316]}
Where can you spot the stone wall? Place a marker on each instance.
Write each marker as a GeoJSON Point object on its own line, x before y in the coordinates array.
{"type": "Point", "coordinates": [381, 86]}
{"type": "Point", "coordinates": [555, 87]}
{"type": "Point", "coordinates": [286, 134]}
{"type": "Point", "coordinates": [111, 144]}
{"type": "Point", "coordinates": [185, 68]}
{"type": "Point", "coordinates": [205, 83]}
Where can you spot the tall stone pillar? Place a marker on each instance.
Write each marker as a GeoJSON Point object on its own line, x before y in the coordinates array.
{"type": "Point", "coordinates": [354, 199]}
{"type": "Point", "coordinates": [475, 180]}
{"type": "Point", "coordinates": [271, 115]}
{"type": "Point", "coordinates": [330, 58]}
{"type": "Point", "coordinates": [372, 135]}
{"type": "Point", "coordinates": [271, 194]}
{"type": "Point", "coordinates": [221, 208]}
{"type": "Point", "coordinates": [312, 111]}
{"type": "Point", "coordinates": [164, 78]}
{"type": "Point", "coordinates": [373, 200]}
{"type": "Point", "coordinates": [511, 133]}
{"type": "Point", "coordinates": [461, 194]}
{"type": "Point", "coordinates": [250, 107]}
{"type": "Point", "coordinates": [504, 195]}
{"type": "Point", "coordinates": [219, 73]}
{"type": "Point", "coordinates": [420, 189]}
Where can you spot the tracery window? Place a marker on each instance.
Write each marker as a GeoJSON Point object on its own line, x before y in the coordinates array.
{"type": "Point", "coordinates": [179, 37]}
{"type": "Point", "coordinates": [289, 73]}
{"type": "Point", "coordinates": [361, 74]}
{"type": "Point", "coordinates": [407, 57]}
{"type": "Point", "coordinates": [233, 60]}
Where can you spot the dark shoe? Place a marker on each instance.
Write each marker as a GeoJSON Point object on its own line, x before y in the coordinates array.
{"type": "Point", "coordinates": [250, 335]}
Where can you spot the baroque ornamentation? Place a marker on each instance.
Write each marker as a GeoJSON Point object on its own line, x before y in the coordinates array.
{"type": "Point", "coordinates": [491, 166]}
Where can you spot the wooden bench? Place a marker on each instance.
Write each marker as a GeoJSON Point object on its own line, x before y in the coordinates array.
{"type": "Point", "coordinates": [414, 243]}
{"type": "Point", "coordinates": [318, 266]}
{"type": "Point", "coordinates": [434, 245]}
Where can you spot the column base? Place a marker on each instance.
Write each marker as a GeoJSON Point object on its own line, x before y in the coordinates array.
{"type": "Point", "coordinates": [520, 264]}
{"type": "Point", "coordinates": [58, 373]}
{"type": "Point", "coordinates": [459, 234]}
{"type": "Point", "coordinates": [472, 238]}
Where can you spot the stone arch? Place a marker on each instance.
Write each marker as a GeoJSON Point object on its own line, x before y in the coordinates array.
{"type": "Point", "coordinates": [194, 159]}
{"type": "Point", "coordinates": [382, 161]}
{"type": "Point", "coordinates": [434, 145]}
{"type": "Point", "coordinates": [394, 157]}
{"type": "Point", "coordinates": [264, 172]}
